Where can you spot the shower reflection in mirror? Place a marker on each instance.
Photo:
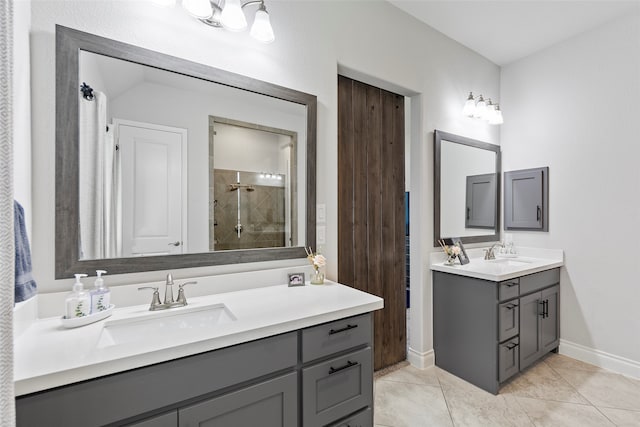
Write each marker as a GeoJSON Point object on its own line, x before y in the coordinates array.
{"type": "Point", "coordinates": [250, 182]}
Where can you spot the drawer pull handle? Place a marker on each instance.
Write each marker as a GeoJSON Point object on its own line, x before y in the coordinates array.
{"type": "Point", "coordinates": [538, 213]}
{"type": "Point", "coordinates": [510, 284]}
{"type": "Point", "coordinates": [511, 346]}
{"type": "Point", "coordinates": [346, 328]}
{"type": "Point", "coordinates": [510, 306]}
{"type": "Point", "coordinates": [349, 364]}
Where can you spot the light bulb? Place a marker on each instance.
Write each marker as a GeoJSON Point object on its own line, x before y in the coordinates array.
{"type": "Point", "coordinates": [199, 8]}
{"type": "Point", "coordinates": [488, 112]}
{"type": "Point", "coordinates": [469, 106]}
{"type": "Point", "coordinates": [232, 17]}
{"type": "Point", "coordinates": [481, 108]}
{"type": "Point", "coordinates": [497, 116]}
{"type": "Point", "coordinates": [261, 29]}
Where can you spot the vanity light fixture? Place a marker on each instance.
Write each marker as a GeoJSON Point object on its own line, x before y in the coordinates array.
{"type": "Point", "coordinates": [481, 109]}
{"type": "Point", "coordinates": [229, 14]}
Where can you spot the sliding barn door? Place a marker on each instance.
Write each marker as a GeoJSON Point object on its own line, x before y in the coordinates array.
{"type": "Point", "coordinates": [371, 248]}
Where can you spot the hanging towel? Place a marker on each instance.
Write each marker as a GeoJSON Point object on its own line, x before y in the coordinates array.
{"type": "Point", "coordinates": [25, 286]}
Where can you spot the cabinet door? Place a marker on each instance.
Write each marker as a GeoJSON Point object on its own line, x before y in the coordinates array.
{"type": "Point", "coordinates": [272, 403]}
{"type": "Point", "coordinates": [481, 201]}
{"type": "Point", "coordinates": [550, 323]}
{"type": "Point", "coordinates": [530, 313]}
{"type": "Point", "coordinates": [169, 419]}
{"type": "Point", "coordinates": [526, 199]}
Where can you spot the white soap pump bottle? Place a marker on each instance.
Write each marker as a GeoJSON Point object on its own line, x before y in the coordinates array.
{"type": "Point", "coordinates": [100, 295]}
{"type": "Point", "coordinates": [78, 302]}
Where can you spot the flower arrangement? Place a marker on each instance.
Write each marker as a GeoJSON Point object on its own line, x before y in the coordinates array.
{"type": "Point", "coordinates": [451, 251]}
{"type": "Point", "coordinates": [317, 260]}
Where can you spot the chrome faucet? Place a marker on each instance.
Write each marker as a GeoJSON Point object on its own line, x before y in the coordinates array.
{"type": "Point", "coordinates": [169, 302]}
{"type": "Point", "coordinates": [489, 253]}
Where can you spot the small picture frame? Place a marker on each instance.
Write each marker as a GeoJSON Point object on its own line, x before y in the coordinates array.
{"type": "Point", "coordinates": [296, 279]}
{"type": "Point", "coordinates": [462, 257]}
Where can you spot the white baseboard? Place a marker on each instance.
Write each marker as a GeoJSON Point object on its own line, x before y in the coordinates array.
{"type": "Point", "coordinates": [421, 360]}
{"type": "Point", "coordinates": [601, 359]}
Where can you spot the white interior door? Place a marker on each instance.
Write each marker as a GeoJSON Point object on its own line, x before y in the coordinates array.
{"type": "Point", "coordinates": [153, 188]}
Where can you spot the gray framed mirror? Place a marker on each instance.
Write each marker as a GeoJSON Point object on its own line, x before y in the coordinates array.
{"type": "Point", "coordinates": [136, 162]}
{"type": "Point", "coordinates": [466, 189]}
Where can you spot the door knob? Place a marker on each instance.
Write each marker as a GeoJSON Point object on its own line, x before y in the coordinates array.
{"type": "Point", "coordinates": [176, 243]}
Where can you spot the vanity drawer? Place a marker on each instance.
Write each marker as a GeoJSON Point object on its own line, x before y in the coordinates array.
{"type": "Point", "coordinates": [509, 320]}
{"type": "Point", "coordinates": [508, 289]}
{"type": "Point", "coordinates": [361, 419]}
{"type": "Point", "coordinates": [334, 337]}
{"type": "Point", "coordinates": [336, 388]}
{"type": "Point", "coordinates": [535, 282]}
{"type": "Point", "coordinates": [509, 359]}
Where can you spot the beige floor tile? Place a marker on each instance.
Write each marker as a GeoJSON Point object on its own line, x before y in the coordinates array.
{"type": "Point", "coordinates": [546, 413]}
{"type": "Point", "coordinates": [542, 382]}
{"type": "Point", "coordinates": [413, 375]}
{"type": "Point", "coordinates": [621, 417]}
{"type": "Point", "coordinates": [400, 404]}
{"type": "Point", "coordinates": [563, 362]}
{"type": "Point", "coordinates": [473, 407]}
{"type": "Point", "coordinates": [604, 389]}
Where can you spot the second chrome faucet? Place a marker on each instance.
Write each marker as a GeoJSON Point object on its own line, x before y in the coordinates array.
{"type": "Point", "coordinates": [169, 302]}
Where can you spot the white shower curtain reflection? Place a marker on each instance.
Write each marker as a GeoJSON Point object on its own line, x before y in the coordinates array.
{"type": "Point", "coordinates": [100, 185]}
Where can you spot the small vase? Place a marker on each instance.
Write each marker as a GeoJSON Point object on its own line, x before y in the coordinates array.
{"type": "Point", "coordinates": [317, 278]}
{"type": "Point", "coordinates": [450, 260]}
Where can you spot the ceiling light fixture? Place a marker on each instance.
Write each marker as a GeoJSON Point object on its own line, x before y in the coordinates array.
{"type": "Point", "coordinates": [481, 109]}
{"type": "Point", "coordinates": [229, 14]}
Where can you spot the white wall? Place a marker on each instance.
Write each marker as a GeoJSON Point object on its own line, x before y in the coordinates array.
{"type": "Point", "coordinates": [313, 39]}
{"type": "Point", "coordinates": [574, 107]}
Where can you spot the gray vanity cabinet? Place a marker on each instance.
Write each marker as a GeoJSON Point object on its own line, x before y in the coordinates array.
{"type": "Point", "coordinates": [526, 200]}
{"type": "Point", "coordinates": [486, 332]}
{"type": "Point", "coordinates": [316, 376]}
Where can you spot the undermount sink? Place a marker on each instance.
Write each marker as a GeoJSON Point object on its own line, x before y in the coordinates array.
{"type": "Point", "coordinates": [510, 262]}
{"type": "Point", "coordinates": [170, 324]}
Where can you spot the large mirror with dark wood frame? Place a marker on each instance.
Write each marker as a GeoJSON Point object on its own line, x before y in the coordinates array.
{"type": "Point", "coordinates": [466, 189]}
{"type": "Point", "coordinates": [163, 163]}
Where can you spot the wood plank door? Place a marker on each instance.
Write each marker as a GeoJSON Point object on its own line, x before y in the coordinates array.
{"type": "Point", "coordinates": [371, 248]}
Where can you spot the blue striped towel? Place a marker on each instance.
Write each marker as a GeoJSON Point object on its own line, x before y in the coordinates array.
{"type": "Point", "coordinates": [25, 286]}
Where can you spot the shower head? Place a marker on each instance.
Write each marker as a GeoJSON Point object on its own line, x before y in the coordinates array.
{"type": "Point", "coordinates": [250, 188]}
{"type": "Point", "coordinates": [233, 187]}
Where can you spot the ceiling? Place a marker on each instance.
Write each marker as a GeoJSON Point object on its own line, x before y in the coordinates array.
{"type": "Point", "coordinates": [507, 30]}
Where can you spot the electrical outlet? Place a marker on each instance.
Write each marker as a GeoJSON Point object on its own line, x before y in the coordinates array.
{"type": "Point", "coordinates": [321, 231]}
{"type": "Point", "coordinates": [321, 213]}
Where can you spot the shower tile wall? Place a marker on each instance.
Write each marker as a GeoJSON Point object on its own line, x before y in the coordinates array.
{"type": "Point", "coordinates": [262, 213]}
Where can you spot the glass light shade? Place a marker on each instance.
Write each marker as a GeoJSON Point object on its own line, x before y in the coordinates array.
{"type": "Point", "coordinates": [232, 17]}
{"type": "Point", "coordinates": [261, 29]}
{"type": "Point", "coordinates": [481, 108]}
{"type": "Point", "coordinates": [164, 3]}
{"type": "Point", "coordinates": [469, 106]}
{"type": "Point", "coordinates": [489, 110]}
{"type": "Point", "coordinates": [497, 117]}
{"type": "Point", "coordinates": [198, 8]}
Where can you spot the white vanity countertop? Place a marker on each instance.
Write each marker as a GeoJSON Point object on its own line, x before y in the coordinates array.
{"type": "Point", "coordinates": [527, 261]}
{"type": "Point", "coordinates": [48, 355]}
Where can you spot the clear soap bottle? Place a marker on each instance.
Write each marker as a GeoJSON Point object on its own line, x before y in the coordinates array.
{"type": "Point", "coordinates": [78, 302]}
{"type": "Point", "coordinates": [100, 295]}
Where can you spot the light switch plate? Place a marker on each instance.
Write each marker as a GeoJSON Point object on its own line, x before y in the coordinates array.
{"type": "Point", "coordinates": [321, 213]}
{"type": "Point", "coordinates": [321, 230]}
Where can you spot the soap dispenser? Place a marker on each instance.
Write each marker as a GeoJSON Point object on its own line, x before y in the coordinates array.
{"type": "Point", "coordinates": [100, 295]}
{"type": "Point", "coordinates": [78, 302]}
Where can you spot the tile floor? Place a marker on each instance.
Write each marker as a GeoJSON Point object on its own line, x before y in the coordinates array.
{"type": "Point", "coordinates": [557, 391]}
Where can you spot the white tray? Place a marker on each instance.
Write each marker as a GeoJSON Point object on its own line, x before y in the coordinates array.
{"type": "Point", "coordinates": [74, 322]}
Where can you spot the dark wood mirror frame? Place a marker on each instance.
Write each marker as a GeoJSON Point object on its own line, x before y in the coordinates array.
{"type": "Point", "coordinates": [438, 137]}
{"type": "Point", "coordinates": [69, 43]}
